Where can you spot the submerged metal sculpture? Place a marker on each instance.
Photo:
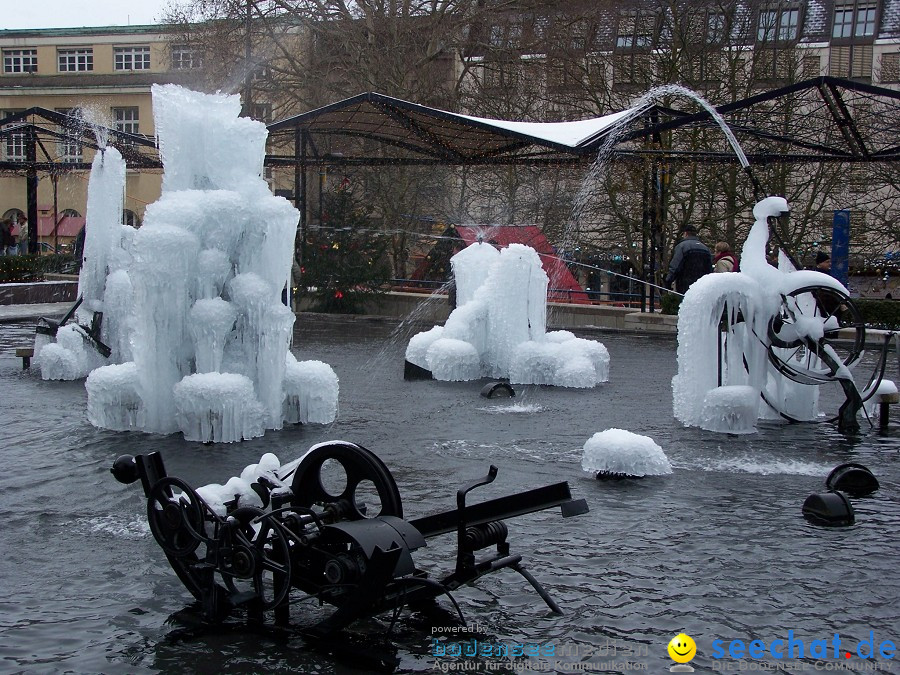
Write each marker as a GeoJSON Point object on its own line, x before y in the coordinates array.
{"type": "Point", "coordinates": [326, 542]}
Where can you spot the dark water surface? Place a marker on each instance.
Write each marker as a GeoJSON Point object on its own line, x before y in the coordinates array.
{"type": "Point", "coordinates": [718, 550]}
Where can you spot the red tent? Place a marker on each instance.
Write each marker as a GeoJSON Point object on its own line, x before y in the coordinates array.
{"type": "Point", "coordinates": [563, 287]}
{"type": "Point", "coordinates": [68, 228]}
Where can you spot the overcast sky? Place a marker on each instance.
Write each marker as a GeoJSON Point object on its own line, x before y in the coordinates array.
{"type": "Point", "coordinates": [75, 14]}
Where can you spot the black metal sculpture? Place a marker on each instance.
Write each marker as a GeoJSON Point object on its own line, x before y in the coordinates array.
{"type": "Point", "coordinates": [328, 546]}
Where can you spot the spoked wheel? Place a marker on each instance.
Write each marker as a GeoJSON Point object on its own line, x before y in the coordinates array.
{"type": "Point", "coordinates": [348, 479]}
{"type": "Point", "coordinates": [804, 334]}
{"type": "Point", "coordinates": [176, 514]}
{"type": "Point", "coordinates": [254, 556]}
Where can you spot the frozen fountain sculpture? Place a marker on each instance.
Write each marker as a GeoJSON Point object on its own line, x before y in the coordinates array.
{"type": "Point", "coordinates": [751, 344]}
{"type": "Point", "coordinates": [192, 300]}
{"type": "Point", "coordinates": [498, 328]}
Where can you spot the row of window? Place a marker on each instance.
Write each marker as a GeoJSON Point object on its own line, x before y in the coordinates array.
{"type": "Point", "coordinates": [849, 61]}
{"type": "Point", "coordinates": [69, 148]}
{"type": "Point", "coordinates": [639, 28]}
{"type": "Point", "coordinates": [81, 59]}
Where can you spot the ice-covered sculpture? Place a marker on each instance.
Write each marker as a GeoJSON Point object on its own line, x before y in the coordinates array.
{"type": "Point", "coordinates": [498, 328]}
{"type": "Point", "coordinates": [617, 453]}
{"type": "Point", "coordinates": [726, 379]}
{"type": "Point", "coordinates": [192, 300]}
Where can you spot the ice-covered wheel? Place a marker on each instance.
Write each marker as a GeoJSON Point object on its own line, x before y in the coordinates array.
{"type": "Point", "coordinates": [254, 556]}
{"type": "Point", "coordinates": [176, 516]}
{"type": "Point", "coordinates": [803, 335]}
{"type": "Point", "coordinates": [347, 479]}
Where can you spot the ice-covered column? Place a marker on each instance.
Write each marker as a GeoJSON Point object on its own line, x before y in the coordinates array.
{"type": "Point", "coordinates": [516, 293]}
{"type": "Point", "coordinates": [470, 269]}
{"type": "Point", "coordinates": [106, 191]}
{"type": "Point", "coordinates": [164, 261]}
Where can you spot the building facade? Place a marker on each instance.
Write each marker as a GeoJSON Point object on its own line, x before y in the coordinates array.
{"type": "Point", "coordinates": [104, 76]}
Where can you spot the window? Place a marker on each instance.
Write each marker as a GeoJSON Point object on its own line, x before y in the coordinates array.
{"type": "Point", "coordinates": [562, 78]}
{"type": "Point", "coordinates": [890, 67]}
{"type": "Point", "coordinates": [854, 20]}
{"type": "Point", "coordinates": [70, 148]}
{"type": "Point", "coordinates": [636, 30]}
{"type": "Point", "coordinates": [75, 60]}
{"type": "Point", "coordinates": [70, 213]}
{"type": "Point", "coordinates": [703, 67]}
{"type": "Point", "coordinates": [186, 58]}
{"type": "Point", "coordinates": [15, 142]}
{"type": "Point", "coordinates": [630, 69]}
{"type": "Point", "coordinates": [131, 58]}
{"type": "Point", "coordinates": [20, 60]}
{"type": "Point", "coordinates": [780, 24]}
{"type": "Point", "coordinates": [127, 120]}
{"type": "Point", "coordinates": [812, 66]}
{"type": "Point", "coordinates": [716, 28]}
{"type": "Point", "coordinates": [854, 61]}
{"type": "Point", "coordinates": [129, 217]}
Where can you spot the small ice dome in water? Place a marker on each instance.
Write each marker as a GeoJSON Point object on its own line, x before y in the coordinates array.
{"type": "Point", "coordinates": [730, 409]}
{"type": "Point", "coordinates": [621, 453]}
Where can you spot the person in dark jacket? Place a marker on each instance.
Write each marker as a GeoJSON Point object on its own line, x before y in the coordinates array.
{"type": "Point", "coordinates": [691, 260]}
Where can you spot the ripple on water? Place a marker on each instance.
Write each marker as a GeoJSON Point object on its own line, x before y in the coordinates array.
{"type": "Point", "coordinates": [718, 549]}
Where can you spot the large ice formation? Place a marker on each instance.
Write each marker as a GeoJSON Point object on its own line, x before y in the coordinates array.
{"type": "Point", "coordinates": [191, 301]}
{"type": "Point", "coordinates": [499, 326]}
{"type": "Point", "coordinates": [617, 452]}
{"type": "Point", "coordinates": [725, 381]}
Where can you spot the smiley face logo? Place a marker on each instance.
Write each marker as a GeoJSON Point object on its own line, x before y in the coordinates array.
{"type": "Point", "coordinates": [682, 648]}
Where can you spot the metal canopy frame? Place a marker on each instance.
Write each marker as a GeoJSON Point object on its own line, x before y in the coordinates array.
{"type": "Point", "coordinates": [41, 132]}
{"type": "Point", "coordinates": [821, 119]}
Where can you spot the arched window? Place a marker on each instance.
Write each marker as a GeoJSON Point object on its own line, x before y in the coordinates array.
{"type": "Point", "coordinates": [129, 217]}
{"type": "Point", "coordinates": [71, 213]}
{"type": "Point", "coordinates": [13, 214]}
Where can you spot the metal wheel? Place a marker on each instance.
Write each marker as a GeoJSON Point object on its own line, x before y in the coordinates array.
{"type": "Point", "coordinates": [348, 479]}
{"type": "Point", "coordinates": [254, 555]}
{"type": "Point", "coordinates": [804, 334]}
{"type": "Point", "coordinates": [176, 515]}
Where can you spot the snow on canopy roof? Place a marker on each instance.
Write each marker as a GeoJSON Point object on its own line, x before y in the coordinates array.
{"type": "Point", "coordinates": [563, 287]}
{"type": "Point", "coordinates": [571, 134]}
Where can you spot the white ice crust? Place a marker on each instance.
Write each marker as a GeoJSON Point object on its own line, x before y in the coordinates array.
{"type": "Point", "coordinates": [191, 301]}
{"type": "Point", "coordinates": [618, 451]}
{"type": "Point", "coordinates": [498, 328]}
{"type": "Point", "coordinates": [750, 387]}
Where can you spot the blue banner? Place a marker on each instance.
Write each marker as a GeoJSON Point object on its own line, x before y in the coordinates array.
{"type": "Point", "coordinates": [840, 246]}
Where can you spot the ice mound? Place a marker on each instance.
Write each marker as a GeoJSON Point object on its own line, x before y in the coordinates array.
{"type": "Point", "coordinates": [191, 302]}
{"type": "Point", "coordinates": [70, 357]}
{"type": "Point", "coordinates": [310, 392]}
{"type": "Point", "coordinates": [618, 452]}
{"type": "Point", "coordinates": [240, 488]}
{"type": "Point", "coordinates": [114, 398]}
{"type": "Point", "coordinates": [731, 410]}
{"type": "Point", "coordinates": [217, 408]}
{"type": "Point", "coordinates": [453, 360]}
{"type": "Point", "coordinates": [498, 328]}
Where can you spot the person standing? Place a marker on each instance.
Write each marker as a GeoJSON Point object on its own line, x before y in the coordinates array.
{"type": "Point", "coordinates": [5, 228]}
{"type": "Point", "coordinates": [7, 239]}
{"type": "Point", "coordinates": [23, 234]}
{"type": "Point", "coordinates": [691, 260]}
{"type": "Point", "coordinates": [725, 260]}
